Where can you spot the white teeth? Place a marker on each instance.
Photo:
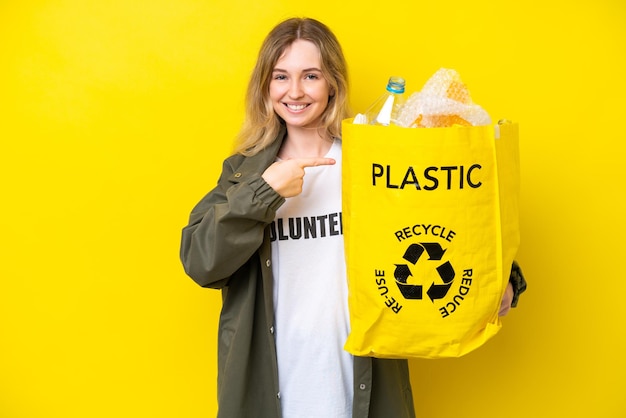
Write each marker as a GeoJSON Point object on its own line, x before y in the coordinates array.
{"type": "Point", "coordinates": [296, 107]}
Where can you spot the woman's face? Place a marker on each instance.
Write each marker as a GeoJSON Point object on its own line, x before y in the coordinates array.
{"type": "Point", "coordinates": [298, 90]}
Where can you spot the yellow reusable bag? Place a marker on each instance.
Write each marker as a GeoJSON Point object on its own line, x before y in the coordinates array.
{"type": "Point", "coordinates": [431, 230]}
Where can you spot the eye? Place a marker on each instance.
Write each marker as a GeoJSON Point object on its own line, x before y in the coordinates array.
{"type": "Point", "coordinates": [311, 76]}
{"type": "Point", "coordinates": [279, 76]}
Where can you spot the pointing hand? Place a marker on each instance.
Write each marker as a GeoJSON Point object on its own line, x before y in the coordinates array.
{"type": "Point", "coordinates": [287, 176]}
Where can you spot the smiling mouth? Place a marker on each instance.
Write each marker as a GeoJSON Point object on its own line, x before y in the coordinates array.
{"type": "Point", "coordinates": [296, 107]}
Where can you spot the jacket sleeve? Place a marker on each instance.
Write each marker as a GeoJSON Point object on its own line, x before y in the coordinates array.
{"type": "Point", "coordinates": [227, 226]}
{"type": "Point", "coordinates": [518, 281]}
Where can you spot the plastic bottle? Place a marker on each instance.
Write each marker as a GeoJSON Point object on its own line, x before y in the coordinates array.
{"type": "Point", "coordinates": [384, 110]}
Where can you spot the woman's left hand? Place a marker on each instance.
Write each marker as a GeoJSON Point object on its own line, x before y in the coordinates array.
{"type": "Point", "coordinates": [505, 305]}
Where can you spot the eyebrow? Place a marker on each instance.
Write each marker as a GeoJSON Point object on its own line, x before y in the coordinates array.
{"type": "Point", "coordinates": [306, 70]}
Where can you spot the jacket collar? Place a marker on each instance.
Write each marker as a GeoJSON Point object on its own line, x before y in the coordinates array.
{"type": "Point", "coordinates": [259, 162]}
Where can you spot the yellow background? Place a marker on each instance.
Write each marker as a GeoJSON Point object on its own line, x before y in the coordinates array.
{"type": "Point", "coordinates": [115, 117]}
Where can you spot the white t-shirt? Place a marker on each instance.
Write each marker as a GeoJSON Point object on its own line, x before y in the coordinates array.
{"type": "Point", "coordinates": [311, 298]}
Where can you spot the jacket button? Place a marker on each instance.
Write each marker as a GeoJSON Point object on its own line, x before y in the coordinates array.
{"type": "Point", "coordinates": [278, 395]}
{"type": "Point", "coordinates": [268, 262]}
{"type": "Point", "coordinates": [237, 175]}
{"type": "Point", "coordinates": [362, 386]}
{"type": "Point", "coordinates": [272, 330]}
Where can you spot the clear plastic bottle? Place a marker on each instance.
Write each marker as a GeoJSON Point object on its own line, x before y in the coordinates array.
{"type": "Point", "coordinates": [384, 111]}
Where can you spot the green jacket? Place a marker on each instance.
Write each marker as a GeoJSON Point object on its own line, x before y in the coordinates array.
{"type": "Point", "coordinates": [226, 246]}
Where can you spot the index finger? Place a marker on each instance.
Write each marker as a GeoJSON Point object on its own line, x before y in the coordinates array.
{"type": "Point", "coordinates": [314, 162]}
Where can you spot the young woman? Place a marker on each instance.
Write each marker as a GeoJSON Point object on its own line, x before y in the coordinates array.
{"type": "Point", "coordinates": [270, 236]}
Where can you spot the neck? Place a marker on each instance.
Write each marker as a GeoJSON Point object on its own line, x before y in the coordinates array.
{"type": "Point", "coordinates": [304, 143]}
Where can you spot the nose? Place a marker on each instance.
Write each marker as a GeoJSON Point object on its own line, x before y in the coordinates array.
{"type": "Point", "coordinates": [295, 89]}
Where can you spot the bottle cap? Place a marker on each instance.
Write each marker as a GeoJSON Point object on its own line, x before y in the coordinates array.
{"type": "Point", "coordinates": [396, 85]}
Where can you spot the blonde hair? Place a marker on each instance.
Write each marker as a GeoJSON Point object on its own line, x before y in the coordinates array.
{"type": "Point", "coordinates": [261, 124]}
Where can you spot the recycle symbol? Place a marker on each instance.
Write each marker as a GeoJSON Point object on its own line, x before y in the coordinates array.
{"type": "Point", "coordinates": [412, 255]}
